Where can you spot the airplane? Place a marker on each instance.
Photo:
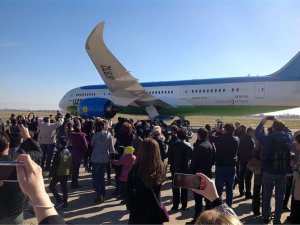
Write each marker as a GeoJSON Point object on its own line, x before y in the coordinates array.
{"type": "Point", "coordinates": [233, 96]}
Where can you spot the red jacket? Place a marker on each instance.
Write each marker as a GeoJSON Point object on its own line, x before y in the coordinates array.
{"type": "Point", "coordinates": [79, 145]}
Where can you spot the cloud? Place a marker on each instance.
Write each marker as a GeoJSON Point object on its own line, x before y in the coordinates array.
{"type": "Point", "coordinates": [9, 44]}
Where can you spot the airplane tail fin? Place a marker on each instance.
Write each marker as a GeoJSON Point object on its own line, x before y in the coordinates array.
{"type": "Point", "coordinates": [290, 71]}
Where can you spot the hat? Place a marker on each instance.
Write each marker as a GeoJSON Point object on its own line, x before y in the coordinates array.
{"type": "Point", "coordinates": [129, 150]}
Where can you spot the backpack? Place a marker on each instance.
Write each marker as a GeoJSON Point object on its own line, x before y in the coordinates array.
{"type": "Point", "coordinates": [65, 163]}
{"type": "Point", "coordinates": [279, 156]}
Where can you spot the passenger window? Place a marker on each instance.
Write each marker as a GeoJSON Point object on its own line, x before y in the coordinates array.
{"type": "Point", "coordinates": [192, 91]}
{"type": "Point", "coordinates": [224, 90]}
{"type": "Point", "coordinates": [216, 90]}
{"type": "Point", "coordinates": [232, 89]}
{"type": "Point", "coordinates": [237, 89]}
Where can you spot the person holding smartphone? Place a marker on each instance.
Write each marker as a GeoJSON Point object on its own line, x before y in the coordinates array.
{"type": "Point", "coordinates": [31, 183]}
{"type": "Point", "coordinates": [220, 213]}
{"type": "Point", "coordinates": [275, 166]}
{"type": "Point", "coordinates": [11, 197]}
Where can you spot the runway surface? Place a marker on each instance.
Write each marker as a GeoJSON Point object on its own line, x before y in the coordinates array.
{"type": "Point", "coordinates": [82, 210]}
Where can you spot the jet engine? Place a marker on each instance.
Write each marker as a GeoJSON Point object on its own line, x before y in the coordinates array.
{"type": "Point", "coordinates": [97, 107]}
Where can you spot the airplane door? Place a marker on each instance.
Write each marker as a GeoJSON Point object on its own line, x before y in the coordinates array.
{"type": "Point", "coordinates": [184, 91]}
{"type": "Point", "coordinates": [259, 90]}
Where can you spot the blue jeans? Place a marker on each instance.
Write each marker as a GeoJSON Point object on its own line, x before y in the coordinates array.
{"type": "Point", "coordinates": [118, 170]}
{"type": "Point", "coordinates": [48, 150]}
{"type": "Point", "coordinates": [225, 176]}
{"type": "Point", "coordinates": [123, 189]}
{"type": "Point", "coordinates": [269, 181]}
{"type": "Point", "coordinates": [98, 172]}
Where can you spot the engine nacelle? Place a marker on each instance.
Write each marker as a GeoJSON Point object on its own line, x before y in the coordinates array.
{"type": "Point", "coordinates": [97, 107]}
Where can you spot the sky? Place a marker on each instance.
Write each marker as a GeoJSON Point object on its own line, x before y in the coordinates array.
{"type": "Point", "coordinates": [42, 43]}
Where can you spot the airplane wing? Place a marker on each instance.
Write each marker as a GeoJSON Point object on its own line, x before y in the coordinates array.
{"type": "Point", "coordinates": [117, 79]}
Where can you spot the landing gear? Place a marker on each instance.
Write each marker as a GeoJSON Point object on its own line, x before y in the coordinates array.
{"type": "Point", "coordinates": [151, 111]}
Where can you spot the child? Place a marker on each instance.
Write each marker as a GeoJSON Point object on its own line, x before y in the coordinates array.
{"type": "Point", "coordinates": [127, 162]}
{"type": "Point", "coordinates": [118, 169]}
{"type": "Point", "coordinates": [60, 172]}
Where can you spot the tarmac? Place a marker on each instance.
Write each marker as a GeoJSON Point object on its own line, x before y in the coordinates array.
{"type": "Point", "coordinates": [82, 210]}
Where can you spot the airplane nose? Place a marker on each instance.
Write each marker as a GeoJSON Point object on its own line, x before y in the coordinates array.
{"type": "Point", "coordinates": [61, 104]}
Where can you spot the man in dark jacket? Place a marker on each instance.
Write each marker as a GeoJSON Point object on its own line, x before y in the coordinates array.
{"type": "Point", "coordinates": [60, 132]}
{"type": "Point", "coordinates": [12, 198]}
{"type": "Point", "coordinates": [203, 158]}
{"type": "Point", "coordinates": [280, 134]}
{"type": "Point", "coordinates": [180, 155]}
{"type": "Point", "coordinates": [245, 153]}
{"type": "Point", "coordinates": [226, 158]}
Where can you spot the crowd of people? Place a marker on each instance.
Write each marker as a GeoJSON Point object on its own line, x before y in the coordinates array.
{"type": "Point", "coordinates": [138, 154]}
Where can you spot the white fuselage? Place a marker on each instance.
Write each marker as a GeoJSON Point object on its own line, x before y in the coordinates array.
{"type": "Point", "coordinates": [269, 93]}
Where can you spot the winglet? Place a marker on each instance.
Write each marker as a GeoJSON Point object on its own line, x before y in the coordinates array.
{"type": "Point", "coordinates": [116, 77]}
{"type": "Point", "coordinates": [113, 73]}
{"type": "Point", "coordinates": [96, 32]}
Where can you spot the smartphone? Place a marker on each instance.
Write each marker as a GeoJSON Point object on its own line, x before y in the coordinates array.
{"type": "Point", "coordinates": [8, 172]}
{"type": "Point", "coordinates": [270, 117]}
{"type": "Point", "coordinates": [188, 181]}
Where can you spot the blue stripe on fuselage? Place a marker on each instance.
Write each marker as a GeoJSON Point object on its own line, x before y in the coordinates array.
{"type": "Point", "coordinates": [199, 82]}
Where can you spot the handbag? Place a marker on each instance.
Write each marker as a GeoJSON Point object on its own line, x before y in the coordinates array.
{"type": "Point", "coordinates": [254, 165]}
{"type": "Point", "coordinates": [164, 215]}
